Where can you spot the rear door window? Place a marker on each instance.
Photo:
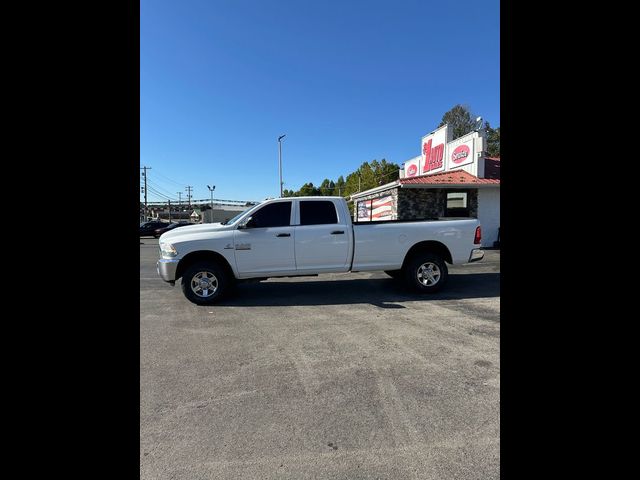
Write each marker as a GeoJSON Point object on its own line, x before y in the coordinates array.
{"type": "Point", "coordinates": [317, 213]}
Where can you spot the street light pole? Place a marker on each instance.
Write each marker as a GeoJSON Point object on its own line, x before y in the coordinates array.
{"type": "Point", "coordinates": [211, 189]}
{"type": "Point", "coordinates": [280, 160]}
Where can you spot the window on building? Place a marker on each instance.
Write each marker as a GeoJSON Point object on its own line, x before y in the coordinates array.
{"type": "Point", "coordinates": [457, 205]}
{"type": "Point", "coordinates": [273, 215]}
{"type": "Point", "coordinates": [317, 213]}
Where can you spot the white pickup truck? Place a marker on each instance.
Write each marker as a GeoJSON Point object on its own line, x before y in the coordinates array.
{"type": "Point", "coordinates": [300, 236]}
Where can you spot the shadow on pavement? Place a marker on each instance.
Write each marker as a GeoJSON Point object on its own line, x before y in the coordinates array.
{"type": "Point", "coordinates": [381, 292]}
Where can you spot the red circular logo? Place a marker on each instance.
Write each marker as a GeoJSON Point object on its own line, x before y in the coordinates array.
{"type": "Point", "coordinates": [460, 154]}
{"type": "Point", "coordinates": [413, 169]}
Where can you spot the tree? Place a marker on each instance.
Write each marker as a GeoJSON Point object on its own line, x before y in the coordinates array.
{"type": "Point", "coordinates": [326, 187]}
{"type": "Point", "coordinates": [339, 187]}
{"type": "Point", "coordinates": [387, 172]}
{"type": "Point", "coordinates": [493, 140]}
{"type": "Point", "coordinates": [308, 190]}
{"type": "Point", "coordinates": [368, 175]}
{"type": "Point", "coordinates": [460, 120]}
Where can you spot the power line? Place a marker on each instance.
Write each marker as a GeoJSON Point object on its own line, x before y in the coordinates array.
{"type": "Point", "coordinates": [160, 194]}
{"type": "Point", "coordinates": [167, 178]}
{"type": "Point", "coordinates": [152, 188]}
{"type": "Point", "coordinates": [158, 187]}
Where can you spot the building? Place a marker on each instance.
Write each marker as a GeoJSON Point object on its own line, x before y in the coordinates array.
{"type": "Point", "coordinates": [222, 210]}
{"type": "Point", "coordinates": [449, 179]}
{"type": "Point", "coordinates": [221, 213]}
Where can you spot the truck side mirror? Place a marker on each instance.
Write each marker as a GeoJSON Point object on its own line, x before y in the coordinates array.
{"type": "Point", "coordinates": [246, 223]}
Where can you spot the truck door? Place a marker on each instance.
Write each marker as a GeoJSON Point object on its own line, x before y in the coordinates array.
{"type": "Point", "coordinates": [266, 244]}
{"type": "Point", "coordinates": [321, 238]}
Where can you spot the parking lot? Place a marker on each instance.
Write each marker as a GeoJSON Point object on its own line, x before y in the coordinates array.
{"type": "Point", "coordinates": [335, 376]}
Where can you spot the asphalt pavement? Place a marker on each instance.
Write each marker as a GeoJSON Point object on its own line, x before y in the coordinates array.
{"type": "Point", "coordinates": [337, 376]}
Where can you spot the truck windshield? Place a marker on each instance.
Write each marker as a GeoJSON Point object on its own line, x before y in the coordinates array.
{"type": "Point", "coordinates": [234, 219]}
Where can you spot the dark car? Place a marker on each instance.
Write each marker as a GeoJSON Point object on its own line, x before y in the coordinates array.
{"type": "Point", "coordinates": [171, 226]}
{"type": "Point", "coordinates": [147, 229]}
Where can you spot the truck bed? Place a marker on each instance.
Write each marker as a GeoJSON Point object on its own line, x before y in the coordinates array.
{"type": "Point", "coordinates": [432, 219]}
{"type": "Point", "coordinates": [382, 245]}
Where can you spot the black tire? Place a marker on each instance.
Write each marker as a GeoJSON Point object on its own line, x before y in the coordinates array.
{"type": "Point", "coordinates": [425, 273]}
{"type": "Point", "coordinates": [194, 288]}
{"type": "Point", "coordinates": [396, 274]}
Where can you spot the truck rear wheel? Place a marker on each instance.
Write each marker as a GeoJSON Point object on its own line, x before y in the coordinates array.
{"type": "Point", "coordinates": [426, 273]}
{"type": "Point", "coordinates": [204, 283]}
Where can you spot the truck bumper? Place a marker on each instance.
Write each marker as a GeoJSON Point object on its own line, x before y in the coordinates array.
{"type": "Point", "coordinates": [167, 269]}
{"type": "Point", "coordinates": [476, 255]}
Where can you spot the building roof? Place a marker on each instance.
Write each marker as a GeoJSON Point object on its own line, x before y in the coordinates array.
{"type": "Point", "coordinates": [379, 189]}
{"type": "Point", "coordinates": [456, 177]}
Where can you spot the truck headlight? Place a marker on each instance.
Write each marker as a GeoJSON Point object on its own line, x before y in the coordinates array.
{"type": "Point", "coordinates": [168, 250]}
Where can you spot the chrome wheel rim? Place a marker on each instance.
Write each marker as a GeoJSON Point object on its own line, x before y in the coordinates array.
{"type": "Point", "coordinates": [204, 284]}
{"type": "Point", "coordinates": [428, 274]}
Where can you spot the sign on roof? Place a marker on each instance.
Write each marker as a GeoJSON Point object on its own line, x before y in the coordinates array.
{"type": "Point", "coordinates": [412, 167]}
{"type": "Point", "coordinates": [439, 154]}
{"type": "Point", "coordinates": [433, 147]}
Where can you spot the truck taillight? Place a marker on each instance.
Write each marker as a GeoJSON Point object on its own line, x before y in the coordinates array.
{"type": "Point", "coordinates": [478, 236]}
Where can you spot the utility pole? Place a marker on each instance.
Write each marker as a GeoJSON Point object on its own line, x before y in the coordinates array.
{"type": "Point", "coordinates": [359, 178]}
{"type": "Point", "coordinates": [280, 159]}
{"type": "Point", "coordinates": [188, 189]}
{"type": "Point", "coordinates": [169, 210]}
{"type": "Point", "coordinates": [144, 174]}
{"type": "Point", "coordinates": [179, 200]}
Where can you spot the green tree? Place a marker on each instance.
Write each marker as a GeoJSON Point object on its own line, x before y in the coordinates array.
{"type": "Point", "coordinates": [460, 121]}
{"type": "Point", "coordinates": [308, 190]}
{"type": "Point", "coordinates": [368, 175]}
{"type": "Point", "coordinates": [326, 187]}
{"type": "Point", "coordinates": [493, 140]}
{"type": "Point", "coordinates": [339, 187]}
{"type": "Point", "coordinates": [387, 172]}
{"type": "Point", "coordinates": [351, 184]}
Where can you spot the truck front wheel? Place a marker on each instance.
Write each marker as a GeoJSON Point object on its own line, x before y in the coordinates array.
{"type": "Point", "coordinates": [426, 273]}
{"type": "Point", "coordinates": [203, 283]}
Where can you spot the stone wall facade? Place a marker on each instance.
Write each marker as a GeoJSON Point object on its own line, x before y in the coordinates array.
{"type": "Point", "coordinates": [423, 203]}
{"type": "Point", "coordinates": [414, 203]}
{"type": "Point", "coordinates": [472, 198]}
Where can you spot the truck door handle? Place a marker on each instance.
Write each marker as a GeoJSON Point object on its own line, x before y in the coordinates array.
{"type": "Point", "coordinates": [337, 232]}
{"type": "Point", "coordinates": [283, 235]}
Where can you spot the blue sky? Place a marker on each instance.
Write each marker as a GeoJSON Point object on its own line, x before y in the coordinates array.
{"type": "Point", "coordinates": [346, 81]}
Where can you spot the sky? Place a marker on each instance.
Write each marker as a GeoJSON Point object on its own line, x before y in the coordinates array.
{"type": "Point", "coordinates": [347, 81]}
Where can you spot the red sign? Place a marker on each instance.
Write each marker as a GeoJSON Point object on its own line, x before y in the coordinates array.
{"type": "Point", "coordinates": [432, 156]}
{"type": "Point", "coordinates": [413, 169]}
{"type": "Point", "coordinates": [460, 154]}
